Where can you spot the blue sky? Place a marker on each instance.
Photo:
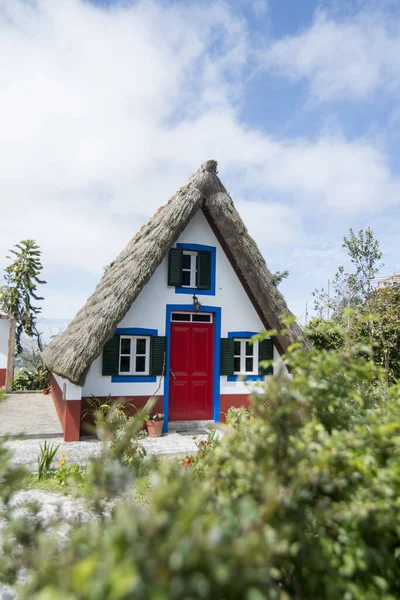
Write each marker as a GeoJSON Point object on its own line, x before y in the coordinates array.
{"type": "Point", "coordinates": [108, 107]}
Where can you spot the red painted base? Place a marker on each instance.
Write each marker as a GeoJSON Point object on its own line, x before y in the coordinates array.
{"type": "Point", "coordinates": [59, 403]}
{"type": "Point", "coordinates": [228, 401]}
{"type": "Point", "coordinates": [132, 404]}
{"type": "Point", "coordinates": [3, 375]}
{"type": "Point", "coordinates": [72, 420]}
{"type": "Point", "coordinates": [69, 413]}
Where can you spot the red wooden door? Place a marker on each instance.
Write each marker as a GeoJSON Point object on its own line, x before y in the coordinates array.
{"type": "Point", "coordinates": [191, 371]}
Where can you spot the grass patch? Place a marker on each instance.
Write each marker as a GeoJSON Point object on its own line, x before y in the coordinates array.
{"type": "Point", "coordinates": [49, 484]}
{"type": "Point", "coordinates": [141, 490]}
{"type": "Point", "coordinates": [140, 493]}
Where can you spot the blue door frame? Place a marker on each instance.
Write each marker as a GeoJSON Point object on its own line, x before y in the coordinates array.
{"type": "Point", "coordinates": [216, 376]}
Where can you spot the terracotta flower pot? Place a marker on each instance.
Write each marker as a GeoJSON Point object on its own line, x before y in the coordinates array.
{"type": "Point", "coordinates": [154, 428]}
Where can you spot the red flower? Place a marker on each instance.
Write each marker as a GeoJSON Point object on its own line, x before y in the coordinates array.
{"type": "Point", "coordinates": [187, 462]}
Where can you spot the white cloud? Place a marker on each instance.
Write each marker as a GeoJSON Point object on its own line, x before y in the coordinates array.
{"type": "Point", "coordinates": [259, 7]}
{"type": "Point", "coordinates": [350, 58]}
{"type": "Point", "coordinates": [106, 112]}
{"type": "Point", "coordinates": [61, 305]}
{"type": "Point", "coordinates": [269, 223]}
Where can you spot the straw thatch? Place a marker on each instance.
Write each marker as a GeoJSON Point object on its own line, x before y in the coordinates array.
{"type": "Point", "coordinates": [72, 352]}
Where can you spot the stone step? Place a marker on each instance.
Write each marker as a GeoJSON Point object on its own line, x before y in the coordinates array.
{"type": "Point", "coordinates": [189, 427]}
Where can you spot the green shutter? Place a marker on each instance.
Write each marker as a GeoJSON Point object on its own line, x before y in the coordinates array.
{"type": "Point", "coordinates": [157, 355]}
{"type": "Point", "coordinates": [204, 270]}
{"type": "Point", "coordinates": [226, 356]}
{"type": "Point", "coordinates": [266, 352]}
{"type": "Point", "coordinates": [111, 356]}
{"type": "Point", "coordinates": [175, 264]}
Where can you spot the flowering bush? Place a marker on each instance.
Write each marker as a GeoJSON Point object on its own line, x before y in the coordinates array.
{"type": "Point", "coordinates": [204, 448]}
{"type": "Point", "coordinates": [32, 380]}
{"type": "Point", "coordinates": [66, 473]}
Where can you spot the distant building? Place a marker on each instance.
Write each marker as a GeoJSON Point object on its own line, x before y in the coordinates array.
{"type": "Point", "coordinates": [392, 281]}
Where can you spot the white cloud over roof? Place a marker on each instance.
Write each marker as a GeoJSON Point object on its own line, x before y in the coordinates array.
{"type": "Point", "coordinates": [106, 111]}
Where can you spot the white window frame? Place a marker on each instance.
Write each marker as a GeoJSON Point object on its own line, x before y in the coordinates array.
{"type": "Point", "coordinates": [133, 355]}
{"type": "Point", "coordinates": [193, 268]}
{"type": "Point", "coordinates": [243, 357]}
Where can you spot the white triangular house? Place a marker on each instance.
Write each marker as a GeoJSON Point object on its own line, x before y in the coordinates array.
{"type": "Point", "coordinates": [173, 315]}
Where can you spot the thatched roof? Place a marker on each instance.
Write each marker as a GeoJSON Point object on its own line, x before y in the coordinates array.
{"type": "Point", "coordinates": [72, 352]}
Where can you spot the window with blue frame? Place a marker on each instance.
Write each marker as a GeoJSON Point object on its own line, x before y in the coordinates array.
{"type": "Point", "coordinates": [245, 357]}
{"type": "Point", "coordinates": [191, 269]}
{"type": "Point", "coordinates": [240, 357]}
{"type": "Point", "coordinates": [134, 355]}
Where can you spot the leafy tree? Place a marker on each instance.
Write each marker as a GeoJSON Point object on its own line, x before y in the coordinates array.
{"type": "Point", "coordinates": [378, 324]}
{"type": "Point", "coordinates": [358, 312]}
{"type": "Point", "coordinates": [19, 291]}
{"type": "Point", "coordinates": [365, 254]}
{"type": "Point", "coordinates": [350, 290]}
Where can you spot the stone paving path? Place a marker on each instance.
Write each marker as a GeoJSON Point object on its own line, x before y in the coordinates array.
{"type": "Point", "coordinates": [31, 415]}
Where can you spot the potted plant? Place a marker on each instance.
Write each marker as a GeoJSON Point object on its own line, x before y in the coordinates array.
{"type": "Point", "coordinates": [155, 425]}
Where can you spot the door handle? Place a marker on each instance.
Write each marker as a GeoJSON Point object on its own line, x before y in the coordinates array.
{"type": "Point", "coordinates": [172, 373]}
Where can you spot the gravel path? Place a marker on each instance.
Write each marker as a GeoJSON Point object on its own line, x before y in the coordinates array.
{"type": "Point", "coordinates": [26, 452]}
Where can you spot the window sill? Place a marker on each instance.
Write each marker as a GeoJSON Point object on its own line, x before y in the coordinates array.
{"type": "Point", "coordinates": [197, 291]}
{"type": "Point", "coordinates": [133, 378]}
{"type": "Point", "coordinates": [245, 378]}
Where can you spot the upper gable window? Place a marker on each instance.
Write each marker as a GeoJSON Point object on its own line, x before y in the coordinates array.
{"type": "Point", "coordinates": [191, 269]}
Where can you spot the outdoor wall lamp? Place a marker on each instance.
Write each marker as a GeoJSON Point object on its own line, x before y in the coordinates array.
{"type": "Point", "coordinates": [196, 303]}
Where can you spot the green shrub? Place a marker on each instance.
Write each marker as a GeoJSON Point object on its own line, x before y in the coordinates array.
{"type": "Point", "coordinates": [325, 335]}
{"type": "Point", "coordinates": [114, 421]}
{"type": "Point", "coordinates": [204, 447]}
{"type": "Point", "coordinates": [298, 500]}
{"type": "Point", "coordinates": [68, 473]}
{"type": "Point", "coordinates": [123, 430]}
{"type": "Point", "coordinates": [45, 459]}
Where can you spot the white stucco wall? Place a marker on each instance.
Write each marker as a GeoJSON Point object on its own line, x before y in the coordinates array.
{"type": "Point", "coordinates": [69, 390]}
{"type": "Point", "coordinates": [4, 329]}
{"type": "Point", "coordinates": [149, 311]}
